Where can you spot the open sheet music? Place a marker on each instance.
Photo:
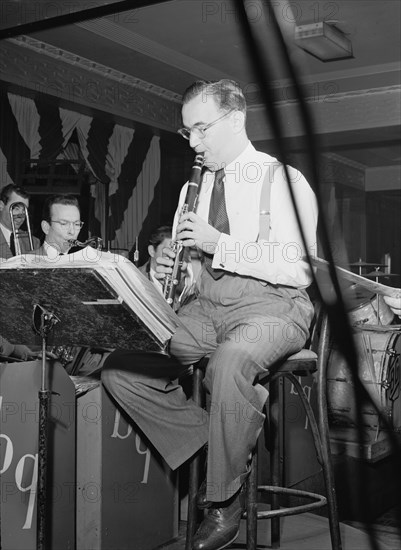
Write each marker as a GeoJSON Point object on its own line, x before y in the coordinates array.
{"type": "Point", "coordinates": [344, 274]}
{"type": "Point", "coordinates": [101, 299]}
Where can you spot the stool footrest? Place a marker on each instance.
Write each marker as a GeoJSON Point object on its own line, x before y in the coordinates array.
{"type": "Point", "coordinates": [319, 501]}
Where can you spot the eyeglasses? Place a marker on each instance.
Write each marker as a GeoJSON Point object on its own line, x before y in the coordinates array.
{"type": "Point", "coordinates": [200, 131]}
{"type": "Point", "coordinates": [64, 224]}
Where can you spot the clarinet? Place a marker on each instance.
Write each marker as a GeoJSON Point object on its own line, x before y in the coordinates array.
{"type": "Point", "coordinates": [172, 280]}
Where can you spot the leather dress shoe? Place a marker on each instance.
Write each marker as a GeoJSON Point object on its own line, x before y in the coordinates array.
{"type": "Point", "coordinates": [201, 501]}
{"type": "Point", "coordinates": [220, 526]}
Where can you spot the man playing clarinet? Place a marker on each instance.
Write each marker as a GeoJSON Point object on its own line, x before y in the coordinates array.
{"type": "Point", "coordinates": [251, 308]}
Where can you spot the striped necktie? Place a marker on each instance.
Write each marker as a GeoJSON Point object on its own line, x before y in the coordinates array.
{"type": "Point", "coordinates": [217, 217]}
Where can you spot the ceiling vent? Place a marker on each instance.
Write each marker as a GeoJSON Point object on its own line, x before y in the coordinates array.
{"type": "Point", "coordinates": [324, 41]}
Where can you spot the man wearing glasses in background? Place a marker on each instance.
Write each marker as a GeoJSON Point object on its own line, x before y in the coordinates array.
{"type": "Point", "coordinates": [61, 224]}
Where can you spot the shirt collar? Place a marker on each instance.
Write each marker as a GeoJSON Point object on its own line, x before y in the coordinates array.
{"type": "Point", "coordinates": [232, 167]}
{"type": "Point", "coordinates": [240, 158]}
{"type": "Point", "coordinates": [51, 251]}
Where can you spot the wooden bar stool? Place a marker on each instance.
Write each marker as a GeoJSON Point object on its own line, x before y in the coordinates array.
{"type": "Point", "coordinates": [304, 362]}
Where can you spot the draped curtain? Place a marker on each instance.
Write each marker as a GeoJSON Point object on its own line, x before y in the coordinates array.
{"type": "Point", "coordinates": [140, 199]}
{"type": "Point", "coordinates": [28, 121]}
{"type": "Point", "coordinates": [124, 162]}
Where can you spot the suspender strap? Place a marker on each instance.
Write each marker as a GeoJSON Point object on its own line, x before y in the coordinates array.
{"type": "Point", "coordinates": [264, 212]}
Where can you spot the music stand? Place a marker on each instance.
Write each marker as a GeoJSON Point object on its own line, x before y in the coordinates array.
{"type": "Point", "coordinates": [88, 308]}
{"type": "Point", "coordinates": [43, 322]}
{"type": "Point", "coordinates": [71, 306]}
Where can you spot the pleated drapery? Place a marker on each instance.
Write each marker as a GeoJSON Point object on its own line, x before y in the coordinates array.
{"type": "Point", "coordinates": [124, 161]}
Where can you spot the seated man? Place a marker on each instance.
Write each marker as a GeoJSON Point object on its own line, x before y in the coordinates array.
{"type": "Point", "coordinates": [10, 195]}
{"type": "Point", "coordinates": [251, 309]}
{"type": "Point", "coordinates": [159, 239]}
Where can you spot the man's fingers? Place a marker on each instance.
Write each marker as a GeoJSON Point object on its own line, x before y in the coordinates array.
{"type": "Point", "coordinates": [185, 236]}
{"type": "Point", "coordinates": [167, 253]}
{"type": "Point", "coordinates": [185, 226]}
{"type": "Point", "coordinates": [164, 262]}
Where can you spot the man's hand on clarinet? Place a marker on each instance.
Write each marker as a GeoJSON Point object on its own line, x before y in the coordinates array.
{"type": "Point", "coordinates": [165, 264]}
{"type": "Point", "coordinates": [194, 231]}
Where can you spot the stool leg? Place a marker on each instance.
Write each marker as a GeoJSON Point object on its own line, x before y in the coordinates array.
{"type": "Point", "coordinates": [330, 487]}
{"type": "Point", "coordinates": [275, 424]}
{"type": "Point", "coordinates": [327, 465]}
{"type": "Point", "coordinates": [251, 504]}
{"type": "Point", "coordinates": [192, 516]}
{"type": "Point", "coordinates": [194, 467]}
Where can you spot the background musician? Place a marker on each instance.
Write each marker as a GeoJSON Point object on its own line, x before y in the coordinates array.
{"type": "Point", "coordinates": [159, 239]}
{"type": "Point", "coordinates": [61, 223]}
{"type": "Point", "coordinates": [251, 309]}
{"type": "Point", "coordinates": [9, 195]}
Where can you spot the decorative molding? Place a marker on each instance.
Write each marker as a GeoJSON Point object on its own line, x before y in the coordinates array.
{"type": "Point", "coordinates": [348, 111]}
{"type": "Point", "coordinates": [42, 68]}
{"type": "Point", "coordinates": [346, 161]}
{"type": "Point", "coordinates": [338, 170]}
{"type": "Point", "coordinates": [93, 66]}
{"type": "Point", "coordinates": [329, 97]}
{"type": "Point", "coordinates": [344, 74]}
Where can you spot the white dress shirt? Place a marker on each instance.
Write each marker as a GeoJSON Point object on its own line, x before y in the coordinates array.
{"type": "Point", "coordinates": [158, 284]}
{"type": "Point", "coordinates": [6, 232]}
{"type": "Point", "coordinates": [51, 251]}
{"type": "Point", "coordinates": [281, 259]}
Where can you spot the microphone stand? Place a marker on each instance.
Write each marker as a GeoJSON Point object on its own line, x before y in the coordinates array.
{"type": "Point", "coordinates": [43, 322]}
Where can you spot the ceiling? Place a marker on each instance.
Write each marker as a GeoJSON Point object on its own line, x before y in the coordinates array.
{"type": "Point", "coordinates": [171, 43]}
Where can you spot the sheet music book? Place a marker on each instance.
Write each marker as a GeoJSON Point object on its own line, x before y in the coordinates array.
{"type": "Point", "coordinates": [344, 274]}
{"type": "Point", "coordinates": [100, 298]}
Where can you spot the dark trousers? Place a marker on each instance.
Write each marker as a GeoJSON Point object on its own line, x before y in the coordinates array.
{"type": "Point", "coordinates": [243, 326]}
